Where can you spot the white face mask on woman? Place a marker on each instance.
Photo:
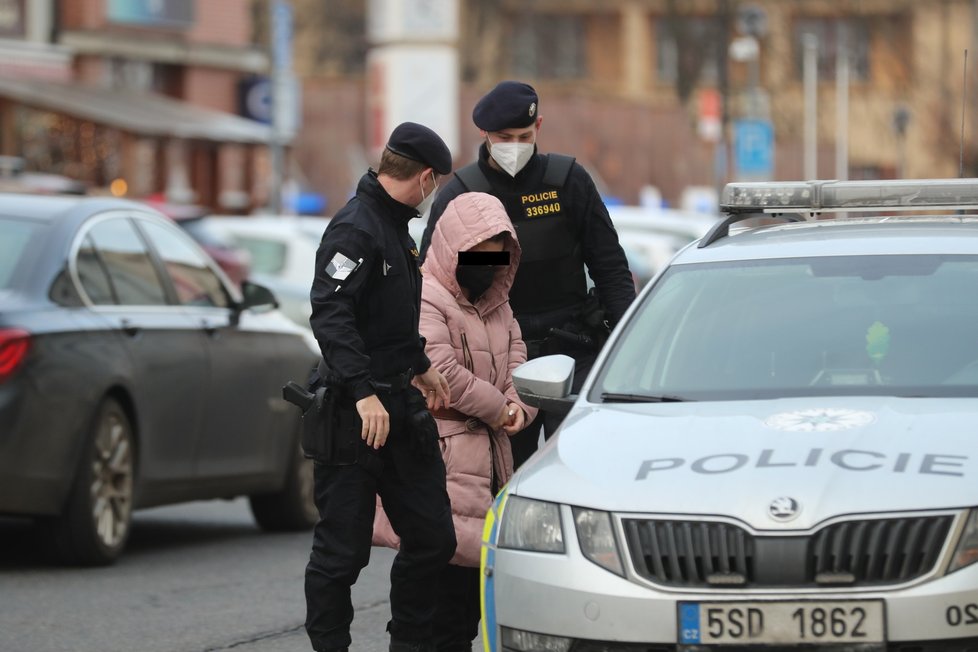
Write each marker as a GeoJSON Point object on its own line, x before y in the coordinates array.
{"type": "Point", "coordinates": [426, 200]}
{"type": "Point", "coordinates": [511, 157]}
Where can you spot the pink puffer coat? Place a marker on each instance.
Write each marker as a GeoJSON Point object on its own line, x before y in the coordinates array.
{"type": "Point", "coordinates": [476, 347]}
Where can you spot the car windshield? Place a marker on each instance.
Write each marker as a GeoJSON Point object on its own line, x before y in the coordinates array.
{"type": "Point", "coordinates": [14, 238]}
{"type": "Point", "coordinates": [842, 325]}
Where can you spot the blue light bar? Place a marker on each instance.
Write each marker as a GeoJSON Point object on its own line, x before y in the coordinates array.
{"type": "Point", "coordinates": [834, 196]}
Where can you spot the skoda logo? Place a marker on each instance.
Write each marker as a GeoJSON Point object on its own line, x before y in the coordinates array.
{"type": "Point", "coordinates": [784, 509]}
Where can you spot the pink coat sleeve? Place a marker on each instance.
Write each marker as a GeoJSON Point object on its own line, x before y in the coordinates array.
{"type": "Point", "coordinates": [517, 356]}
{"type": "Point", "coordinates": [469, 394]}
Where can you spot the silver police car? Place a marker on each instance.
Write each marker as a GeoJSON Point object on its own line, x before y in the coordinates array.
{"type": "Point", "coordinates": [777, 448]}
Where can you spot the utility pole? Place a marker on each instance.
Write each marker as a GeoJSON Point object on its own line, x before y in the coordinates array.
{"type": "Point", "coordinates": [280, 50]}
{"type": "Point", "coordinates": [810, 71]}
{"type": "Point", "coordinates": [842, 108]}
{"type": "Point", "coordinates": [721, 163]}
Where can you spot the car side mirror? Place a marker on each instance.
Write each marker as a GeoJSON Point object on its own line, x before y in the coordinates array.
{"type": "Point", "coordinates": [546, 383]}
{"type": "Point", "coordinates": [256, 296]}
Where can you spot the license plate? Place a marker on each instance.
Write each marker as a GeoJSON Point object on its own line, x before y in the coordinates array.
{"type": "Point", "coordinates": [812, 623]}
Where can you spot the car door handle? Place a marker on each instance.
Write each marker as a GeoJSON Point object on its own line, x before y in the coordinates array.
{"type": "Point", "coordinates": [129, 329]}
{"type": "Point", "coordinates": [209, 328]}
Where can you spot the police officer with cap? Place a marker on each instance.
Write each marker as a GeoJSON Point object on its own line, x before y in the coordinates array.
{"type": "Point", "coordinates": [564, 230]}
{"type": "Point", "coordinates": [366, 300]}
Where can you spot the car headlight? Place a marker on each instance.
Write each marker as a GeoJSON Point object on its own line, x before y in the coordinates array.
{"type": "Point", "coordinates": [967, 551]}
{"type": "Point", "coordinates": [597, 539]}
{"type": "Point", "coordinates": [531, 525]}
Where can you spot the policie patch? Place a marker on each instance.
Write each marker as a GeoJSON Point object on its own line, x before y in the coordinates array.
{"type": "Point", "coordinates": [341, 266]}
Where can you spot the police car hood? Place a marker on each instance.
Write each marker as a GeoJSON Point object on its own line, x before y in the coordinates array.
{"type": "Point", "coordinates": [782, 464]}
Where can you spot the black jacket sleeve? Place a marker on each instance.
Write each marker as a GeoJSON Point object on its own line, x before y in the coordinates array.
{"type": "Point", "coordinates": [336, 289]}
{"type": "Point", "coordinates": [603, 255]}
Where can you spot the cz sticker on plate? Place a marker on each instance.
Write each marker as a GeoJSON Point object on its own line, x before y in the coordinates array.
{"type": "Point", "coordinates": [767, 622]}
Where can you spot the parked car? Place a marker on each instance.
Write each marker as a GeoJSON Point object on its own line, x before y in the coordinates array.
{"type": "Point", "coordinates": [774, 450]}
{"type": "Point", "coordinates": [133, 373]}
{"type": "Point", "coordinates": [655, 235]}
{"type": "Point", "coordinates": [234, 260]}
{"type": "Point", "coordinates": [282, 250]}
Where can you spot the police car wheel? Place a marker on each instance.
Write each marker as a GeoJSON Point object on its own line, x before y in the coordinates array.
{"type": "Point", "coordinates": [94, 526]}
{"type": "Point", "coordinates": [294, 507]}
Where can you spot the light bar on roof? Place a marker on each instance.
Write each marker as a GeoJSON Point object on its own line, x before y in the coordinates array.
{"type": "Point", "coordinates": [829, 196]}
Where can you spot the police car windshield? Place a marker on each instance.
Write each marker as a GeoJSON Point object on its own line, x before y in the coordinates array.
{"type": "Point", "coordinates": [901, 325]}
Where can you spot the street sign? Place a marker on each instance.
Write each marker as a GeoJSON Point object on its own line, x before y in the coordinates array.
{"type": "Point", "coordinates": [754, 149]}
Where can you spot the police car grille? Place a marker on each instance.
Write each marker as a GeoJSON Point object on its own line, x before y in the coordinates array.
{"type": "Point", "coordinates": [689, 553]}
{"type": "Point", "coordinates": [847, 553]}
{"type": "Point", "coordinates": [879, 551]}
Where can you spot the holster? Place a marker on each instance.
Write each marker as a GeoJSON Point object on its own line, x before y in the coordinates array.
{"type": "Point", "coordinates": [331, 430]}
{"type": "Point", "coordinates": [315, 420]}
{"type": "Point", "coordinates": [422, 428]}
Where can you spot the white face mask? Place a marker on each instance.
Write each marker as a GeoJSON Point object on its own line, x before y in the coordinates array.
{"type": "Point", "coordinates": [425, 204]}
{"type": "Point", "coordinates": [511, 157]}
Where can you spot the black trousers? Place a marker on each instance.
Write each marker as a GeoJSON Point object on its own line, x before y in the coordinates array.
{"type": "Point", "coordinates": [525, 442]}
{"type": "Point", "coordinates": [458, 612]}
{"type": "Point", "coordinates": [411, 485]}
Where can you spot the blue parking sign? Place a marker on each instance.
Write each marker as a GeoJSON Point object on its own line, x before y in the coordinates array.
{"type": "Point", "coordinates": [754, 148]}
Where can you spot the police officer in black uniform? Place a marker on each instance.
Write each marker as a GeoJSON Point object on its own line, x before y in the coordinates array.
{"type": "Point", "coordinates": [563, 227]}
{"type": "Point", "coordinates": [366, 300]}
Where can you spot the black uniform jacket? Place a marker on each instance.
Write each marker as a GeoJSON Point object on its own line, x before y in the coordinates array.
{"type": "Point", "coordinates": [366, 297]}
{"type": "Point", "coordinates": [561, 229]}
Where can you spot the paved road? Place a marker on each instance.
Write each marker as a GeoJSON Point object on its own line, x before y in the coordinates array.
{"type": "Point", "coordinates": [196, 578]}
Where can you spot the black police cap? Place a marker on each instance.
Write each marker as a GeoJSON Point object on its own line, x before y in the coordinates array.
{"type": "Point", "coordinates": [419, 143]}
{"type": "Point", "coordinates": [510, 105]}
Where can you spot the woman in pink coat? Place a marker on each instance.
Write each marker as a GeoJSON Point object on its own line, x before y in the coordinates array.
{"type": "Point", "coordinates": [474, 341]}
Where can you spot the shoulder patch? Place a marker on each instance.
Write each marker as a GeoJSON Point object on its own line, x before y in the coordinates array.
{"type": "Point", "coordinates": [341, 266]}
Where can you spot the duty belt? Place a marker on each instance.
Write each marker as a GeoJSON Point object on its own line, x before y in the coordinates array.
{"type": "Point", "coordinates": [451, 414]}
{"type": "Point", "coordinates": [396, 383]}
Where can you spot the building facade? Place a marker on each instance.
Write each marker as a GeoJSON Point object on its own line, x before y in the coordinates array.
{"type": "Point", "coordinates": [651, 92]}
{"type": "Point", "coordinates": [140, 96]}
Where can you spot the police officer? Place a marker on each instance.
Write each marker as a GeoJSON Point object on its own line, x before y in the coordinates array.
{"type": "Point", "coordinates": [365, 309]}
{"type": "Point", "coordinates": [563, 228]}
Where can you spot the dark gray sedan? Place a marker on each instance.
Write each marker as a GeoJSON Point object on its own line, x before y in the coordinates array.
{"type": "Point", "coordinates": [133, 374]}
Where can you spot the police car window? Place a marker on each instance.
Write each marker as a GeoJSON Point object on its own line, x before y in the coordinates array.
{"type": "Point", "coordinates": [123, 254]}
{"type": "Point", "coordinates": [898, 326]}
{"type": "Point", "coordinates": [194, 281]}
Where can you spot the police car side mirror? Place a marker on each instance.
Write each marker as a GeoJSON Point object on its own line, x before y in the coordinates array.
{"type": "Point", "coordinates": [546, 383]}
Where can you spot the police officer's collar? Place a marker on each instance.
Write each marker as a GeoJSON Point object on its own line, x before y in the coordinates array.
{"type": "Point", "coordinates": [370, 186]}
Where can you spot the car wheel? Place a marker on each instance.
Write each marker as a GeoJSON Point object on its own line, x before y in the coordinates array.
{"type": "Point", "coordinates": [94, 527]}
{"type": "Point", "coordinates": [294, 507]}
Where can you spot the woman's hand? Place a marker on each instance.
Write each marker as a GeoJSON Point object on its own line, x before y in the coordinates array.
{"type": "Point", "coordinates": [515, 419]}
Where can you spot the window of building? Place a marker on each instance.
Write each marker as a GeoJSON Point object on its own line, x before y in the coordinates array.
{"type": "Point", "coordinates": [686, 47]}
{"type": "Point", "coordinates": [831, 33]}
{"type": "Point", "coordinates": [549, 47]}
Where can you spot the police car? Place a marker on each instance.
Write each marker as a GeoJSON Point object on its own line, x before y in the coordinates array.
{"type": "Point", "coordinates": [778, 446]}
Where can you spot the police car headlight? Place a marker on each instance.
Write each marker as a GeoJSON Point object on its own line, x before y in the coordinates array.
{"type": "Point", "coordinates": [531, 525]}
{"type": "Point", "coordinates": [598, 539]}
{"type": "Point", "coordinates": [967, 551]}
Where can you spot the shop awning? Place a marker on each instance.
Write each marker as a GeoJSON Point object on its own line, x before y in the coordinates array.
{"type": "Point", "coordinates": [139, 113]}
